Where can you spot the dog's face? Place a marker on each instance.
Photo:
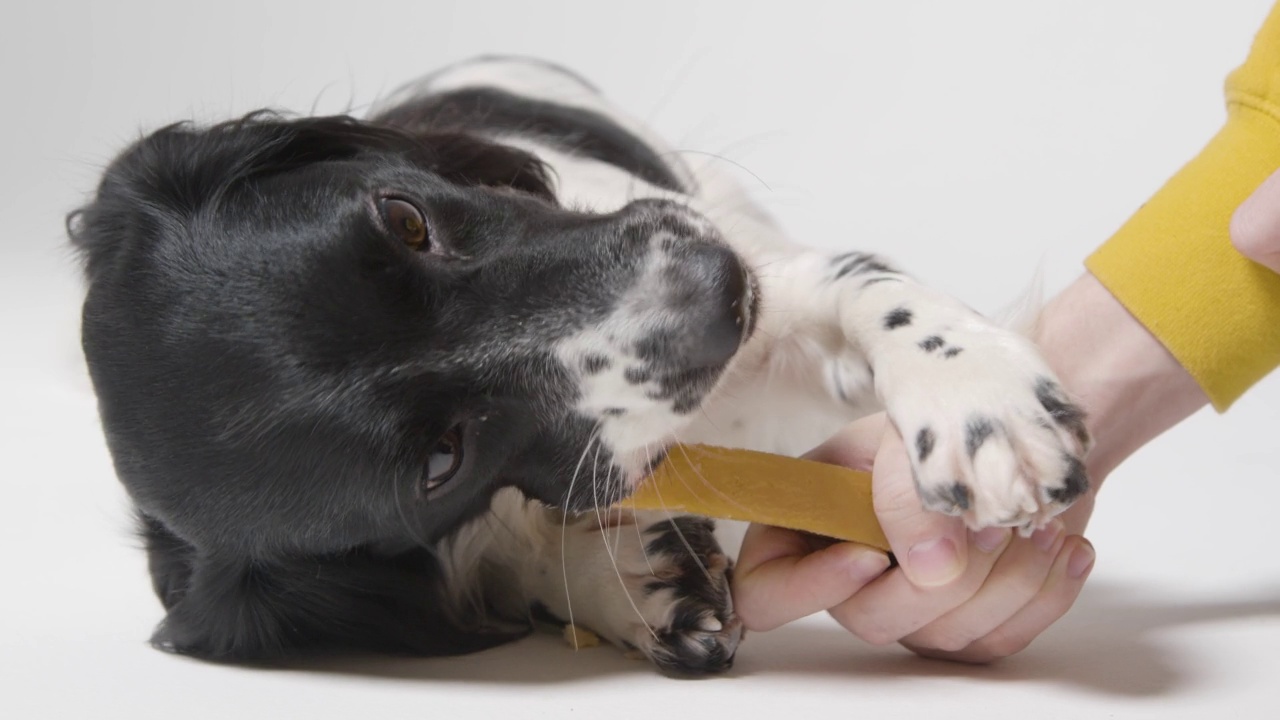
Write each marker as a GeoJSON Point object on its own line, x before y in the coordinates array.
{"type": "Point", "coordinates": [318, 334]}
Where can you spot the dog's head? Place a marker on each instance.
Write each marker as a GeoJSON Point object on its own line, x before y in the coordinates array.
{"type": "Point", "coordinates": [318, 334]}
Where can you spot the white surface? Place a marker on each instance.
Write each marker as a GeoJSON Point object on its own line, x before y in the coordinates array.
{"type": "Point", "coordinates": [970, 140]}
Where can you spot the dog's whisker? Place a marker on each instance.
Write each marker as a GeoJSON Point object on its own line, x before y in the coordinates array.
{"type": "Point", "coordinates": [613, 559]}
{"type": "Point", "coordinates": [726, 160]}
{"type": "Point", "coordinates": [564, 524]}
{"type": "Point", "coordinates": [620, 494]}
{"type": "Point", "coordinates": [597, 496]}
{"type": "Point", "coordinates": [644, 550]}
{"type": "Point", "coordinates": [702, 410]}
{"type": "Point", "coordinates": [705, 482]}
{"type": "Point", "coordinates": [680, 534]}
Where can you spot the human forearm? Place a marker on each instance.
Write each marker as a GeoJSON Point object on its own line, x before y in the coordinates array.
{"type": "Point", "coordinates": [1131, 387]}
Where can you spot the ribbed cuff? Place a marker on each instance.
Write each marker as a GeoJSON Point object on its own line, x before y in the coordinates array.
{"type": "Point", "coordinates": [1173, 266]}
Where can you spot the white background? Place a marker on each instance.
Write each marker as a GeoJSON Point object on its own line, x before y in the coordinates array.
{"type": "Point", "coordinates": [974, 141]}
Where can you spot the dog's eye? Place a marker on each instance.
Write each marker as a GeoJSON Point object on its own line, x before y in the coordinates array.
{"type": "Point", "coordinates": [445, 459]}
{"type": "Point", "coordinates": [404, 221]}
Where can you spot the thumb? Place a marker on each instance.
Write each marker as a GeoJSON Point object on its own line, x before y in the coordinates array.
{"type": "Point", "coordinates": [1255, 226]}
{"type": "Point", "coordinates": [931, 548]}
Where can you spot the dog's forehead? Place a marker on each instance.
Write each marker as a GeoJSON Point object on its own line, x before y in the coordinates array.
{"type": "Point", "coordinates": [330, 185]}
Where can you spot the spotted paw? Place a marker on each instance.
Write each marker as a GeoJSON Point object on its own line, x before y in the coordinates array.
{"type": "Point", "coordinates": [993, 438]}
{"type": "Point", "coordinates": [692, 629]}
{"type": "Point", "coordinates": [655, 586]}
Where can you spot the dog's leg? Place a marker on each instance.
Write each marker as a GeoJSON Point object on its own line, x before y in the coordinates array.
{"type": "Point", "coordinates": [642, 581]}
{"type": "Point", "coordinates": [991, 434]}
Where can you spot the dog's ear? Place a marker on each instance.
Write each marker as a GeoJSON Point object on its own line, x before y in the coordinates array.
{"type": "Point", "coordinates": [229, 608]}
{"type": "Point", "coordinates": [468, 160]}
{"type": "Point", "coordinates": [163, 179]}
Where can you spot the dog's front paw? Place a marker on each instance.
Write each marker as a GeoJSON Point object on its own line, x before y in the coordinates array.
{"type": "Point", "coordinates": [653, 585]}
{"type": "Point", "coordinates": [991, 434]}
{"type": "Point", "coordinates": [686, 624]}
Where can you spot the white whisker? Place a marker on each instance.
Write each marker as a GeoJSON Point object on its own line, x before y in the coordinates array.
{"type": "Point", "coordinates": [613, 558]}
{"type": "Point", "coordinates": [679, 533]}
{"type": "Point", "coordinates": [564, 524]}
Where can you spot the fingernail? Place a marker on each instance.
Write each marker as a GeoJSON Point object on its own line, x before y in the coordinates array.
{"type": "Point", "coordinates": [990, 539]}
{"type": "Point", "coordinates": [868, 566]}
{"type": "Point", "coordinates": [1045, 537]}
{"type": "Point", "coordinates": [1080, 562]}
{"type": "Point", "coordinates": [933, 562]}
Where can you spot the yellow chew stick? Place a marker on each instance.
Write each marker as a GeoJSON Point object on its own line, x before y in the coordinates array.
{"type": "Point", "coordinates": [769, 489]}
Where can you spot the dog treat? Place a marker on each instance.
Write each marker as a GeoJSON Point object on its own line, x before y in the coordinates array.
{"type": "Point", "coordinates": [762, 488]}
{"type": "Point", "coordinates": [580, 638]}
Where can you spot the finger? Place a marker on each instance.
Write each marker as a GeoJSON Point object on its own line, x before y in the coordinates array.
{"type": "Point", "coordinates": [892, 607]}
{"type": "Point", "coordinates": [931, 547]}
{"type": "Point", "coordinates": [1061, 589]}
{"type": "Point", "coordinates": [1015, 581]}
{"type": "Point", "coordinates": [779, 579]}
{"type": "Point", "coordinates": [1255, 226]}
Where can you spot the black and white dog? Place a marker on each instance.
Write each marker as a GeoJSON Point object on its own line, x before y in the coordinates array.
{"type": "Point", "coordinates": [369, 382]}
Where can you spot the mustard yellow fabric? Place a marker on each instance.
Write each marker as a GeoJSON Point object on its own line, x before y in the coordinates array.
{"type": "Point", "coordinates": [1172, 264]}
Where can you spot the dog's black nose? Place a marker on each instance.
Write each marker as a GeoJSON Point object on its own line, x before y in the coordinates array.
{"type": "Point", "coordinates": [715, 297]}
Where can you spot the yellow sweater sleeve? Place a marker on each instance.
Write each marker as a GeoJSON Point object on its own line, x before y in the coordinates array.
{"type": "Point", "coordinates": [1172, 264]}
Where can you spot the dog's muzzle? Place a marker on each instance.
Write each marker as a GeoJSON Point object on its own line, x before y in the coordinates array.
{"type": "Point", "coordinates": [712, 293]}
{"type": "Point", "coordinates": [695, 301]}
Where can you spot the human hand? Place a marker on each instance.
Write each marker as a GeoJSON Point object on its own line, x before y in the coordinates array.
{"type": "Point", "coordinates": [973, 597]}
{"type": "Point", "coordinates": [960, 595]}
{"type": "Point", "coordinates": [1255, 226]}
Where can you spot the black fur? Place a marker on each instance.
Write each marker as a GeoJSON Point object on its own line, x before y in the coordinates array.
{"type": "Point", "coordinates": [898, 317]}
{"type": "Point", "coordinates": [855, 263]}
{"type": "Point", "coordinates": [700, 592]}
{"type": "Point", "coordinates": [924, 443]}
{"type": "Point", "coordinates": [574, 130]}
{"type": "Point", "coordinates": [274, 368]}
{"type": "Point", "coordinates": [1075, 484]}
{"type": "Point", "coordinates": [593, 364]}
{"type": "Point", "coordinates": [931, 343]}
{"type": "Point", "coordinates": [1065, 413]}
{"type": "Point", "coordinates": [957, 496]}
{"type": "Point", "coordinates": [976, 432]}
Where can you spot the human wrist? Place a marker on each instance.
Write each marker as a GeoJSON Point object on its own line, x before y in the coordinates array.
{"type": "Point", "coordinates": [1130, 386]}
